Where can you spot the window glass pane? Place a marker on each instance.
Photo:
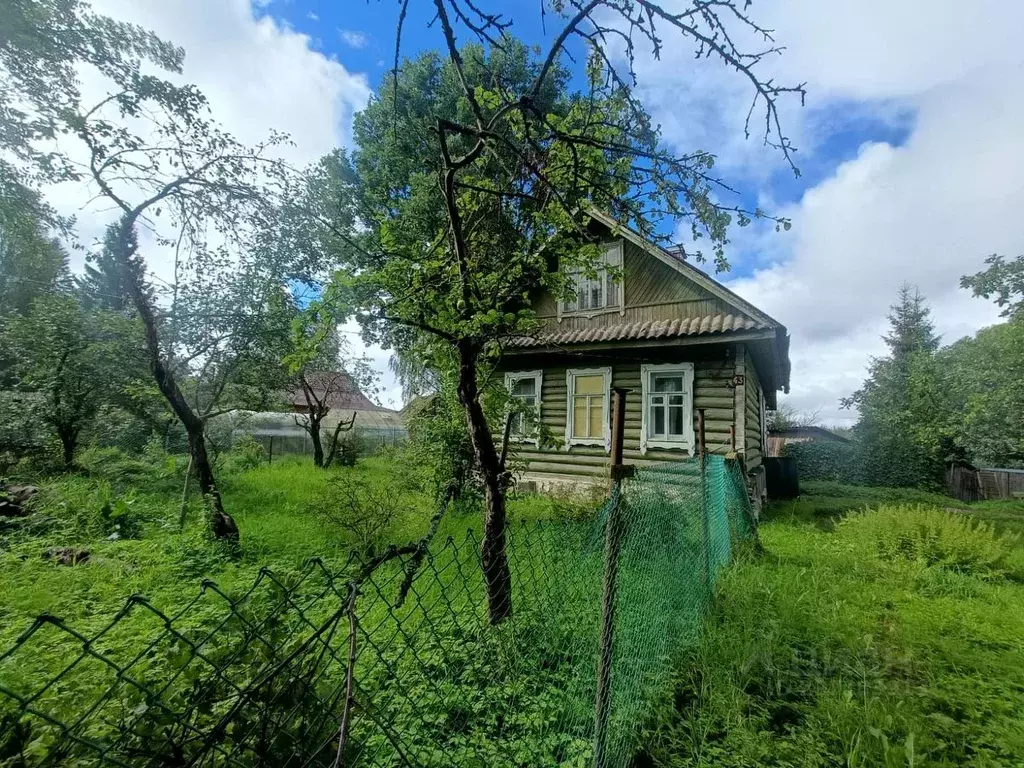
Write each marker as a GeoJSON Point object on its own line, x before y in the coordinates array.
{"type": "Point", "coordinates": [675, 400]}
{"type": "Point", "coordinates": [675, 421]}
{"type": "Point", "coordinates": [516, 426]}
{"type": "Point", "coordinates": [579, 417]}
{"type": "Point", "coordinates": [589, 384]}
{"type": "Point", "coordinates": [657, 420]}
{"type": "Point", "coordinates": [522, 387]}
{"type": "Point", "coordinates": [596, 301]}
{"type": "Point", "coordinates": [596, 417]}
{"type": "Point", "coordinates": [668, 382]}
{"type": "Point", "coordinates": [613, 254]}
{"type": "Point", "coordinates": [613, 291]}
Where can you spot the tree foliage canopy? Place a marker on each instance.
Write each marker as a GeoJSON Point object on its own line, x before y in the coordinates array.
{"type": "Point", "coordinates": [71, 358]}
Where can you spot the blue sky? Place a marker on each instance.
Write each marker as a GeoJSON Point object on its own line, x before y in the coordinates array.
{"type": "Point", "coordinates": [361, 35]}
{"type": "Point", "coordinates": [910, 143]}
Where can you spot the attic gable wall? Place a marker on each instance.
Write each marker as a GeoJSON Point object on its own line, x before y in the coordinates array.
{"type": "Point", "coordinates": [652, 291]}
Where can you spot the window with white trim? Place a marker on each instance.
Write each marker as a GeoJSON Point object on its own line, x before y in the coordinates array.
{"type": "Point", "coordinates": [667, 420]}
{"type": "Point", "coordinates": [587, 402]}
{"type": "Point", "coordinates": [524, 388]}
{"type": "Point", "coordinates": [602, 291]}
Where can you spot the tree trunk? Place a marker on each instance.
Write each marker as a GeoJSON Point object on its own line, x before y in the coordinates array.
{"type": "Point", "coordinates": [318, 445]}
{"type": "Point", "coordinates": [68, 443]}
{"type": "Point", "coordinates": [222, 523]}
{"type": "Point", "coordinates": [492, 549]}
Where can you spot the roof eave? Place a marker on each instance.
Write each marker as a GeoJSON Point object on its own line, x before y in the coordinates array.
{"type": "Point", "coordinates": [722, 337]}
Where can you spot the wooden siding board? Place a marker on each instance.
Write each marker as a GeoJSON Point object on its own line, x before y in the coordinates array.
{"type": "Point", "coordinates": [651, 291]}
{"type": "Point", "coordinates": [752, 414]}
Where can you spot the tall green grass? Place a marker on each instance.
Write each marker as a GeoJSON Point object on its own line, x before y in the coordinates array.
{"type": "Point", "coordinates": [891, 639]}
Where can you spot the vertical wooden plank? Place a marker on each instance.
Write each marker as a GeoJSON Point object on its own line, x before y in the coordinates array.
{"type": "Point", "coordinates": [618, 424]}
{"type": "Point", "coordinates": [740, 399]}
{"type": "Point", "coordinates": [702, 446]}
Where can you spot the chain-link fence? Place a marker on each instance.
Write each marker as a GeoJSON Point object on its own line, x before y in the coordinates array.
{"type": "Point", "coordinates": [394, 662]}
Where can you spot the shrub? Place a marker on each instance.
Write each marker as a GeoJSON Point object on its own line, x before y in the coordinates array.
{"type": "Point", "coordinates": [350, 448]}
{"type": "Point", "coordinates": [119, 516]}
{"type": "Point", "coordinates": [246, 453]}
{"type": "Point", "coordinates": [368, 510]}
{"type": "Point", "coordinates": [840, 462]}
{"type": "Point", "coordinates": [23, 440]}
{"type": "Point", "coordinates": [935, 538]}
{"type": "Point", "coordinates": [438, 438]}
{"type": "Point", "coordinates": [150, 469]}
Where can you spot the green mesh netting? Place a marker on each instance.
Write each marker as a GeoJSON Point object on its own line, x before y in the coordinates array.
{"type": "Point", "coordinates": [262, 678]}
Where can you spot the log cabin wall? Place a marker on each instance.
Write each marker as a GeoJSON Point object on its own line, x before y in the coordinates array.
{"type": "Point", "coordinates": [753, 430]}
{"type": "Point", "coordinates": [714, 391]}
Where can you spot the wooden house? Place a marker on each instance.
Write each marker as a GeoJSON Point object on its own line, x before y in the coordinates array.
{"type": "Point", "coordinates": [674, 337]}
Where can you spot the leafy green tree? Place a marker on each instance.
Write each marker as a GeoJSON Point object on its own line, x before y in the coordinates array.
{"type": "Point", "coordinates": [32, 260]}
{"type": "Point", "coordinates": [984, 379]}
{"type": "Point", "coordinates": [1003, 280]}
{"type": "Point", "coordinates": [70, 357]}
{"type": "Point", "coordinates": [44, 44]}
{"type": "Point", "coordinates": [476, 169]}
{"type": "Point", "coordinates": [152, 152]}
{"type": "Point", "coordinates": [903, 426]}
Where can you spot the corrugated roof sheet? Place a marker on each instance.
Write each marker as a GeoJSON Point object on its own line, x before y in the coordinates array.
{"type": "Point", "coordinates": [655, 329]}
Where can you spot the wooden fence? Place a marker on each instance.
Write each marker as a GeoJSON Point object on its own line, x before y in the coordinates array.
{"type": "Point", "coordinates": [1001, 483]}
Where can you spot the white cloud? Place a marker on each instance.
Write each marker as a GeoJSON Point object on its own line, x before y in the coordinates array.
{"type": "Point", "coordinates": [258, 74]}
{"type": "Point", "coordinates": [926, 212]}
{"type": "Point", "coordinates": [352, 38]}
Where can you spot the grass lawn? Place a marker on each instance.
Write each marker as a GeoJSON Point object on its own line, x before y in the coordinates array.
{"type": "Point", "coordinates": [275, 506]}
{"type": "Point", "coordinates": [879, 627]}
{"type": "Point", "coordinates": [883, 637]}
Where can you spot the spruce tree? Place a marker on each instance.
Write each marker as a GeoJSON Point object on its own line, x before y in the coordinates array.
{"type": "Point", "coordinates": [900, 443]}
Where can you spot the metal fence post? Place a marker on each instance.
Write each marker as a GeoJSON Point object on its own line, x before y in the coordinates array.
{"type": "Point", "coordinates": [614, 533]}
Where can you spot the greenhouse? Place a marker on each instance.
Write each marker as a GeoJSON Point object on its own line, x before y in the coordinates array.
{"type": "Point", "coordinates": [281, 433]}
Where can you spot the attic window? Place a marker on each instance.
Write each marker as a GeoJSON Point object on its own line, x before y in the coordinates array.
{"type": "Point", "coordinates": [600, 292]}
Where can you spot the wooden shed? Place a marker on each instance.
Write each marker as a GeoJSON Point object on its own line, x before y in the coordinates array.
{"type": "Point", "coordinates": [678, 340]}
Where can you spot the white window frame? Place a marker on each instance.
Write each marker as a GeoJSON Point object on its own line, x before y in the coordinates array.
{"type": "Point", "coordinates": [605, 440]}
{"type": "Point", "coordinates": [538, 378]}
{"type": "Point", "coordinates": [687, 441]}
{"type": "Point", "coordinates": [614, 246]}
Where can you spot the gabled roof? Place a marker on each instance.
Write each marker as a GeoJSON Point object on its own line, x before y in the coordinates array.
{"type": "Point", "coordinates": [335, 387]}
{"type": "Point", "coordinates": [738, 320]}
